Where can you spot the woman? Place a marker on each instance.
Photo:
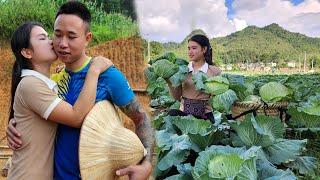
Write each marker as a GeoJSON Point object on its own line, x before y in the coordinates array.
{"type": "Point", "coordinates": [35, 104]}
{"type": "Point", "coordinates": [195, 102]}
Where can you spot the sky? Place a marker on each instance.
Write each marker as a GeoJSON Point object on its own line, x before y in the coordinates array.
{"type": "Point", "coordinates": [173, 20]}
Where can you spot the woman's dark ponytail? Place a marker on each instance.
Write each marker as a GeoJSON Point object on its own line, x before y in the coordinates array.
{"type": "Point", "coordinates": [204, 42]}
{"type": "Point", "coordinates": [16, 78]}
{"type": "Point", "coordinates": [20, 39]}
{"type": "Point", "coordinates": [208, 55]}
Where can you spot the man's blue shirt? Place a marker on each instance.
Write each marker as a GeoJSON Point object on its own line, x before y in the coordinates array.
{"type": "Point", "coordinates": [112, 86]}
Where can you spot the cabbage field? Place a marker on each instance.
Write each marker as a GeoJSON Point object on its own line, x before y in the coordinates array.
{"type": "Point", "coordinates": [254, 145]}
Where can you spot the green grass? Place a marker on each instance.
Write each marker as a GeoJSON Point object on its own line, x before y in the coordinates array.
{"type": "Point", "coordinates": [104, 26]}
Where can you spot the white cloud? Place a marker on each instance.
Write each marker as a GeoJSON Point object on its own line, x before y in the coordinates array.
{"type": "Point", "coordinates": [173, 20]}
{"type": "Point", "coordinates": [305, 23]}
{"type": "Point", "coordinates": [301, 18]}
{"type": "Point", "coordinates": [157, 24]}
{"type": "Point", "coordinates": [239, 24]}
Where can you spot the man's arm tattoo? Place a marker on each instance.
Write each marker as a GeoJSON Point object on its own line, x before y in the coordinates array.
{"type": "Point", "coordinates": [144, 129]}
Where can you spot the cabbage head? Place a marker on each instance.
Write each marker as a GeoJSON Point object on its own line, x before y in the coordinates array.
{"type": "Point", "coordinates": [274, 92]}
{"type": "Point", "coordinates": [170, 56]}
{"type": "Point", "coordinates": [225, 162]}
{"type": "Point", "coordinates": [216, 85]}
{"type": "Point", "coordinates": [150, 75]}
{"type": "Point", "coordinates": [180, 61]}
{"type": "Point", "coordinates": [312, 106]}
{"type": "Point", "coordinates": [165, 68]}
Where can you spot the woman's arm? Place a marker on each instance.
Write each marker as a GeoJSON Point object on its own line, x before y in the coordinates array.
{"type": "Point", "coordinates": [176, 92]}
{"type": "Point", "coordinates": [73, 116]}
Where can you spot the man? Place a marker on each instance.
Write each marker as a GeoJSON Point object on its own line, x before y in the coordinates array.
{"type": "Point", "coordinates": [71, 36]}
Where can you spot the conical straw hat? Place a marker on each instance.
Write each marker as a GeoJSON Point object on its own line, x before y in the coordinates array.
{"type": "Point", "coordinates": [105, 145]}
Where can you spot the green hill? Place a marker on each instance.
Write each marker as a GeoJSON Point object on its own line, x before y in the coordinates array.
{"type": "Point", "coordinates": [271, 43]}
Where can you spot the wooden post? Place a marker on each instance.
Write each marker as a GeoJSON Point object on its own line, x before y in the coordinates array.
{"type": "Point", "coordinates": [305, 63]}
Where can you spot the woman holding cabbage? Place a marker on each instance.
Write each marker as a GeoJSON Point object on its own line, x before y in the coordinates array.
{"type": "Point", "coordinates": [195, 102]}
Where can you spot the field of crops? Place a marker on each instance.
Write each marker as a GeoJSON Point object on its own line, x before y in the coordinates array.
{"type": "Point", "coordinates": [277, 136]}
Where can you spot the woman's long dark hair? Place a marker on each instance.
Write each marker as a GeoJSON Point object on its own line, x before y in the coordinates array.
{"type": "Point", "coordinates": [20, 39]}
{"type": "Point", "coordinates": [204, 42]}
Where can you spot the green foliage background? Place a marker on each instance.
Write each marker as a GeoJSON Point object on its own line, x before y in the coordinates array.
{"type": "Point", "coordinates": [107, 24]}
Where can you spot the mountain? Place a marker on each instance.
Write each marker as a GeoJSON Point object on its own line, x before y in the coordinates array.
{"type": "Point", "coordinates": [271, 43]}
{"type": "Point", "coordinates": [194, 32]}
{"type": "Point", "coordinates": [297, 40]}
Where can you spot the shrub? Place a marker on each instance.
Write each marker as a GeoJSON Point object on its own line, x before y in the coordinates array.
{"type": "Point", "coordinates": [104, 26]}
{"type": "Point", "coordinates": [14, 12]}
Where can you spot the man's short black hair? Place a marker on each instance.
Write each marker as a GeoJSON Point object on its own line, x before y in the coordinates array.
{"type": "Point", "coordinates": [76, 8]}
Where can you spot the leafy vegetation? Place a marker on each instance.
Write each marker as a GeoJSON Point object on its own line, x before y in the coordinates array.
{"type": "Point", "coordinates": [273, 92]}
{"type": "Point", "coordinates": [125, 7]}
{"type": "Point", "coordinates": [104, 26]}
{"type": "Point", "coordinates": [257, 147]}
{"type": "Point", "coordinates": [164, 68]}
{"type": "Point", "coordinates": [167, 67]}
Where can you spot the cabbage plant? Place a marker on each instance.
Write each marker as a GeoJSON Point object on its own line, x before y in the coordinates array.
{"type": "Point", "coordinates": [225, 162]}
{"type": "Point", "coordinates": [268, 132]}
{"type": "Point", "coordinates": [165, 68]}
{"type": "Point", "coordinates": [216, 85]}
{"type": "Point", "coordinates": [179, 77]}
{"type": "Point", "coordinates": [273, 92]}
{"type": "Point", "coordinates": [223, 102]}
{"type": "Point", "coordinates": [312, 106]}
{"type": "Point", "coordinates": [199, 79]}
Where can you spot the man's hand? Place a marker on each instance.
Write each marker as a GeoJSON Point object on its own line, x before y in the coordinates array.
{"type": "Point", "coordinates": [13, 136]}
{"type": "Point", "coordinates": [137, 172]}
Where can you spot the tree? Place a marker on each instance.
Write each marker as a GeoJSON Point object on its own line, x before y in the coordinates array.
{"type": "Point", "coordinates": [125, 7]}
{"type": "Point", "coordinates": [313, 61]}
{"type": "Point", "coordinates": [156, 49]}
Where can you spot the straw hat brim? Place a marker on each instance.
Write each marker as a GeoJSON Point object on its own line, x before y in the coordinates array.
{"type": "Point", "coordinates": [105, 145]}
